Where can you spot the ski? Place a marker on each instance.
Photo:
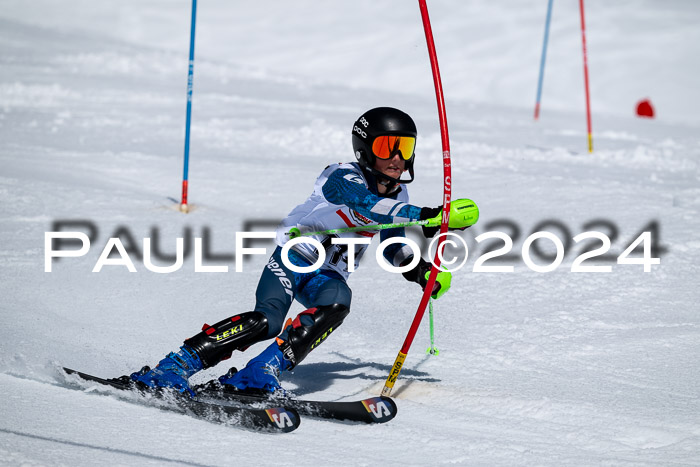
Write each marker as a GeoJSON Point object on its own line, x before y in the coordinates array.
{"type": "Point", "coordinates": [273, 419]}
{"type": "Point", "coordinates": [371, 410]}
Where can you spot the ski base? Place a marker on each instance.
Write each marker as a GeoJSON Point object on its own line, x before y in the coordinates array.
{"type": "Point", "coordinates": [272, 419]}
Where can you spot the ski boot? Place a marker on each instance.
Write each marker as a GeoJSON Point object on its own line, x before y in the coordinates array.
{"type": "Point", "coordinates": [171, 372]}
{"type": "Point", "coordinates": [299, 337]}
{"type": "Point", "coordinates": [261, 374]}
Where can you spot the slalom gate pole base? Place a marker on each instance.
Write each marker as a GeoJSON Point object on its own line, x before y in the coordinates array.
{"type": "Point", "coordinates": [184, 207]}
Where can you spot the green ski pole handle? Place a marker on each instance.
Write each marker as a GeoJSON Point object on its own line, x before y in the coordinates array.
{"type": "Point", "coordinates": [463, 213]}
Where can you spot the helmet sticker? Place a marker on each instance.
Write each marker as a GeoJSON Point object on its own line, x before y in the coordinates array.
{"type": "Point", "coordinates": [360, 132]}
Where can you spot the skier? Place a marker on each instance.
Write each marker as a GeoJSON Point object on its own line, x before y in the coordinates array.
{"type": "Point", "coordinates": [367, 192]}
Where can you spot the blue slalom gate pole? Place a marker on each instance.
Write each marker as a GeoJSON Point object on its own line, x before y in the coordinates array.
{"type": "Point", "coordinates": [542, 60]}
{"type": "Point", "coordinates": [190, 76]}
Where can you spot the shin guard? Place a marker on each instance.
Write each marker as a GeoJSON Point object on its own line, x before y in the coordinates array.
{"type": "Point", "coordinates": [309, 329]}
{"type": "Point", "coordinates": [216, 343]}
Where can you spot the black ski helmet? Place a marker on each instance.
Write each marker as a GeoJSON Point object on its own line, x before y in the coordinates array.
{"type": "Point", "coordinates": [376, 122]}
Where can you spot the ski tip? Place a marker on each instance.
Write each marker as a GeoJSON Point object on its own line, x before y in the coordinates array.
{"type": "Point", "coordinates": [381, 408]}
{"type": "Point", "coordinates": [283, 419]}
{"type": "Point", "coordinates": [121, 382]}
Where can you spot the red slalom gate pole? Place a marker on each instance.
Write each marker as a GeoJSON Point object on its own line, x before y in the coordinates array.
{"type": "Point", "coordinates": [585, 76]}
{"type": "Point", "coordinates": [447, 193]}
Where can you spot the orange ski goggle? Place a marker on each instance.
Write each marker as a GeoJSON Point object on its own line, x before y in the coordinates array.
{"type": "Point", "coordinates": [385, 147]}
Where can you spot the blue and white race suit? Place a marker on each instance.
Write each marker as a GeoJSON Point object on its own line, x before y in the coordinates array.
{"type": "Point", "coordinates": [344, 196]}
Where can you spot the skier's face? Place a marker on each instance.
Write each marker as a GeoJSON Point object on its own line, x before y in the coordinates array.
{"type": "Point", "coordinates": [392, 167]}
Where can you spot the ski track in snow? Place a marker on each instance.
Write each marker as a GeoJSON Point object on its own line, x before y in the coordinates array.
{"type": "Point", "coordinates": [553, 369]}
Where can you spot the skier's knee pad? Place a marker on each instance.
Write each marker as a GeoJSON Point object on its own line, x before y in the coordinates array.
{"type": "Point", "coordinates": [216, 343]}
{"type": "Point", "coordinates": [309, 329]}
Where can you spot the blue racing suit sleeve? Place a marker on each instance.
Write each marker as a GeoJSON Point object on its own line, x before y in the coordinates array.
{"type": "Point", "coordinates": [346, 187]}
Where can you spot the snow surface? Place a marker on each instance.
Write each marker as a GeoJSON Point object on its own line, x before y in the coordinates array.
{"type": "Point", "coordinates": [556, 368]}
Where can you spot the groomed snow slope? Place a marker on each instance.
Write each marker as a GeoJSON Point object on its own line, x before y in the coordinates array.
{"type": "Point", "coordinates": [557, 368]}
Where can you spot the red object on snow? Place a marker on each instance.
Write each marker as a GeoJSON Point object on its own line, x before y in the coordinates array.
{"type": "Point", "coordinates": [644, 109]}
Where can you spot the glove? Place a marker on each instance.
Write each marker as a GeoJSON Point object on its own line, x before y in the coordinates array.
{"type": "Point", "coordinates": [420, 275]}
{"type": "Point", "coordinates": [429, 213]}
{"type": "Point", "coordinates": [463, 214]}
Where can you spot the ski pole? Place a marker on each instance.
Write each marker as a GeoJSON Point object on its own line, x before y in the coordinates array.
{"type": "Point", "coordinates": [294, 232]}
{"type": "Point", "coordinates": [432, 350]}
{"type": "Point", "coordinates": [463, 213]}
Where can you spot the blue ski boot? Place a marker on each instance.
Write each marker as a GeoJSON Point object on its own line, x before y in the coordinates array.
{"type": "Point", "coordinates": [172, 372]}
{"type": "Point", "coordinates": [261, 373]}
